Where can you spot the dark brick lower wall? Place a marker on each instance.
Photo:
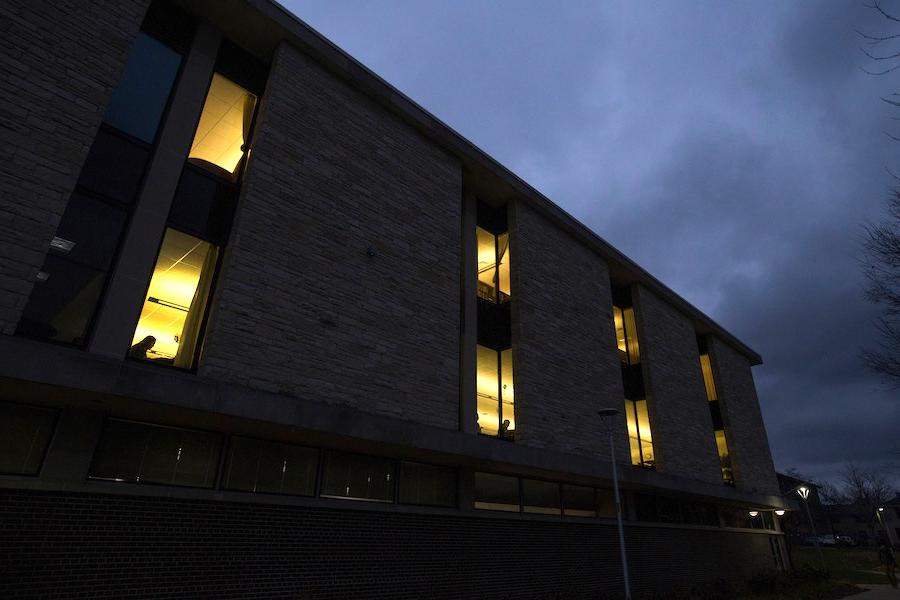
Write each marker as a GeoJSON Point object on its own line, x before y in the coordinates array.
{"type": "Point", "coordinates": [69, 545]}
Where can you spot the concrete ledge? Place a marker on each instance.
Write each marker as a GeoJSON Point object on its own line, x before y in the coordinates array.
{"type": "Point", "coordinates": [28, 367]}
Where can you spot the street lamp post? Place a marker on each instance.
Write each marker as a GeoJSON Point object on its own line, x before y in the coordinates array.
{"type": "Point", "coordinates": [804, 493]}
{"type": "Point", "coordinates": [608, 414]}
{"type": "Point", "coordinates": [880, 514]}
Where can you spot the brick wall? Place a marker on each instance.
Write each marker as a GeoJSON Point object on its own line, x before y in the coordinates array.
{"type": "Point", "coordinates": [683, 438]}
{"type": "Point", "coordinates": [565, 361]}
{"type": "Point", "coordinates": [59, 62]}
{"type": "Point", "coordinates": [93, 546]}
{"type": "Point", "coordinates": [302, 308]}
{"type": "Point", "coordinates": [748, 443]}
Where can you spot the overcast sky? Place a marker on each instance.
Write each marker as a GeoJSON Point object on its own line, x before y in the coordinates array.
{"type": "Point", "coordinates": [733, 149]}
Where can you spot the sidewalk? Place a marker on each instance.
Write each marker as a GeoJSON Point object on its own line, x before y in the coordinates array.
{"type": "Point", "coordinates": [877, 592]}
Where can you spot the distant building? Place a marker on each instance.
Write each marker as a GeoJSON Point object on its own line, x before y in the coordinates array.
{"type": "Point", "coordinates": [269, 328]}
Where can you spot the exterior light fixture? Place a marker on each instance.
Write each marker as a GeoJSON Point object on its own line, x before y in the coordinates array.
{"type": "Point", "coordinates": [754, 513]}
{"type": "Point", "coordinates": [880, 509]}
{"type": "Point", "coordinates": [803, 491]}
{"type": "Point", "coordinates": [780, 512]}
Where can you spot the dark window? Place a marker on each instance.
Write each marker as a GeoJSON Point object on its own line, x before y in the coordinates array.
{"type": "Point", "coordinates": [114, 167]}
{"type": "Point", "coordinates": [496, 492]}
{"type": "Point", "coordinates": [427, 484]}
{"type": "Point", "coordinates": [540, 497]}
{"type": "Point", "coordinates": [137, 104]}
{"type": "Point", "coordinates": [358, 477]}
{"type": "Point", "coordinates": [578, 501]}
{"type": "Point", "coordinates": [645, 507]}
{"type": "Point", "coordinates": [62, 301]}
{"type": "Point", "coordinates": [262, 466]}
{"type": "Point", "coordinates": [606, 503]}
{"type": "Point", "coordinates": [24, 436]}
{"type": "Point", "coordinates": [668, 510]}
{"type": "Point", "coordinates": [89, 232]}
{"type": "Point", "coordinates": [143, 453]}
{"type": "Point", "coordinates": [203, 205]}
{"type": "Point", "coordinates": [699, 513]}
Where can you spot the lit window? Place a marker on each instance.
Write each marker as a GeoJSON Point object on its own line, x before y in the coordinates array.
{"type": "Point", "coordinates": [715, 411]}
{"type": "Point", "coordinates": [24, 436]}
{"type": "Point", "coordinates": [170, 322]}
{"type": "Point", "coordinates": [708, 381]}
{"type": "Point", "coordinates": [626, 335]}
{"type": "Point", "coordinates": [493, 266]}
{"type": "Point", "coordinates": [144, 453]}
{"type": "Point", "coordinates": [639, 436]}
{"type": "Point", "coordinates": [494, 382]}
{"type": "Point", "coordinates": [224, 126]}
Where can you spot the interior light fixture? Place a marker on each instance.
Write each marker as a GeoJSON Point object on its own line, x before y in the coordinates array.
{"type": "Point", "coordinates": [61, 244]}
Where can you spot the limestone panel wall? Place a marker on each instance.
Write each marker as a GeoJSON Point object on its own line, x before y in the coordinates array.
{"type": "Point", "coordinates": [683, 438]}
{"type": "Point", "coordinates": [564, 347]}
{"type": "Point", "coordinates": [748, 443]}
{"type": "Point", "coordinates": [341, 281]}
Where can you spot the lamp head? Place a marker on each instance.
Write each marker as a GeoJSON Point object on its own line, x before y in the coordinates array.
{"type": "Point", "coordinates": [803, 491]}
{"type": "Point", "coordinates": [754, 513]}
{"type": "Point", "coordinates": [780, 512]}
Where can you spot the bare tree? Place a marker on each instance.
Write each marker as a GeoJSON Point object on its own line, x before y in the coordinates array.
{"type": "Point", "coordinates": [867, 490]}
{"type": "Point", "coordinates": [881, 262]}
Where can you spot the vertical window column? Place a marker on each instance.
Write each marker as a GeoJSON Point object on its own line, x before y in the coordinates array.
{"type": "Point", "coordinates": [640, 438]}
{"type": "Point", "coordinates": [715, 411]}
{"type": "Point", "coordinates": [116, 320]}
{"type": "Point", "coordinates": [495, 402]}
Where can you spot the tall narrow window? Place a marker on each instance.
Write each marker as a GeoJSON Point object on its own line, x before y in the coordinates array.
{"type": "Point", "coordinates": [640, 438]}
{"type": "Point", "coordinates": [70, 283]}
{"type": "Point", "coordinates": [715, 411]}
{"type": "Point", "coordinates": [496, 404]}
{"type": "Point", "coordinates": [494, 377]}
{"type": "Point", "coordinates": [224, 129]}
{"type": "Point", "coordinates": [170, 322]}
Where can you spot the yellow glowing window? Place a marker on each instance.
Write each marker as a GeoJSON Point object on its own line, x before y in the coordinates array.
{"type": "Point", "coordinates": [640, 440]}
{"type": "Point", "coordinates": [495, 395]}
{"type": "Point", "coordinates": [493, 265]}
{"type": "Point", "coordinates": [708, 381]}
{"type": "Point", "coordinates": [724, 457]}
{"type": "Point", "coordinates": [224, 125]}
{"type": "Point", "coordinates": [626, 335]}
{"type": "Point", "coordinates": [169, 327]}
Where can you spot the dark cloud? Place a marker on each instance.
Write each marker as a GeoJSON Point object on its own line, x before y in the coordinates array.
{"type": "Point", "coordinates": [735, 150]}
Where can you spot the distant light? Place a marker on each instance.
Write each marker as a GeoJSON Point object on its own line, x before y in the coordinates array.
{"type": "Point", "coordinates": [780, 512]}
{"type": "Point", "coordinates": [754, 513]}
{"type": "Point", "coordinates": [803, 491]}
{"type": "Point", "coordinates": [63, 245]}
{"type": "Point", "coordinates": [880, 509]}
{"type": "Point", "coordinates": [42, 276]}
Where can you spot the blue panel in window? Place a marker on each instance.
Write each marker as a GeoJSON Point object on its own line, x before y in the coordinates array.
{"type": "Point", "coordinates": [137, 104]}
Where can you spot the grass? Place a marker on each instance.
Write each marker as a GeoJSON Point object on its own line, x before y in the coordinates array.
{"type": "Point", "coordinates": [851, 565]}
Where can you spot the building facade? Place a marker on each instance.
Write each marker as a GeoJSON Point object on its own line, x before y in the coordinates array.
{"type": "Point", "coordinates": [269, 328]}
